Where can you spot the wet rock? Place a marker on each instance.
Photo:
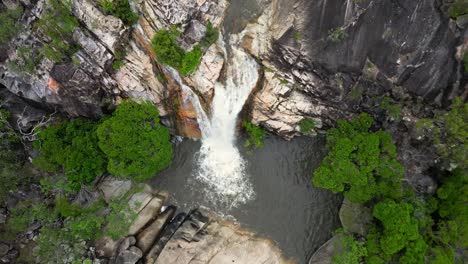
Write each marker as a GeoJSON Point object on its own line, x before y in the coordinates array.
{"type": "Point", "coordinates": [165, 236]}
{"type": "Point", "coordinates": [355, 217]}
{"type": "Point", "coordinates": [325, 253]}
{"type": "Point", "coordinates": [147, 237]}
{"type": "Point", "coordinates": [205, 77]}
{"type": "Point", "coordinates": [203, 239]}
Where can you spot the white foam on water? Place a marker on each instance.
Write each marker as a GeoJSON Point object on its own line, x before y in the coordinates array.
{"type": "Point", "coordinates": [221, 167]}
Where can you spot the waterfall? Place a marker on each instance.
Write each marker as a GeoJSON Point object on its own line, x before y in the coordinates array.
{"type": "Point", "coordinates": [221, 167]}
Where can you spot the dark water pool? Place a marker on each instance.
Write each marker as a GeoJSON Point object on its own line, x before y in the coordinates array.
{"type": "Point", "coordinates": [286, 208]}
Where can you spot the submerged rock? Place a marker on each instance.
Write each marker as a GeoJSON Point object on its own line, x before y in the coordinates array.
{"type": "Point", "coordinates": [324, 255]}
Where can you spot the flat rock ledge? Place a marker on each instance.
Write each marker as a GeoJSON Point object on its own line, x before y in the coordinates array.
{"type": "Point", "coordinates": [160, 236]}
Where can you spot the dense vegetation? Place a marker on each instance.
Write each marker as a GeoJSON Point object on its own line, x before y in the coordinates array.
{"type": "Point", "coordinates": [11, 156]}
{"type": "Point", "coordinates": [66, 227]}
{"type": "Point", "coordinates": [131, 143]}
{"type": "Point", "coordinates": [306, 125]}
{"type": "Point", "coordinates": [255, 134]}
{"type": "Point", "coordinates": [360, 163]}
{"type": "Point", "coordinates": [120, 9]}
{"type": "Point", "coordinates": [73, 147]}
{"type": "Point", "coordinates": [136, 145]}
{"type": "Point", "coordinates": [9, 24]}
{"type": "Point", "coordinates": [407, 227]}
{"type": "Point", "coordinates": [169, 52]}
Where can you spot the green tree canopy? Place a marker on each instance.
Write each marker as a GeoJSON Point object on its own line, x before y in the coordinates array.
{"type": "Point", "coordinates": [73, 147]}
{"type": "Point", "coordinates": [360, 163]}
{"type": "Point", "coordinates": [136, 144]}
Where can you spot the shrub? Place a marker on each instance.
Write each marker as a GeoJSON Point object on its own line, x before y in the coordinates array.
{"type": "Point", "coordinates": [72, 146]}
{"type": "Point", "coordinates": [58, 23]}
{"type": "Point", "coordinates": [306, 125]}
{"type": "Point", "coordinates": [449, 132]}
{"type": "Point", "coordinates": [211, 35]}
{"type": "Point", "coordinates": [191, 61]}
{"type": "Point", "coordinates": [169, 52]}
{"type": "Point", "coordinates": [11, 157]}
{"type": "Point", "coordinates": [352, 253]}
{"type": "Point", "coordinates": [459, 8]}
{"type": "Point", "coordinates": [336, 35]}
{"type": "Point", "coordinates": [165, 46]}
{"type": "Point", "coordinates": [120, 9]}
{"type": "Point", "coordinates": [392, 109]}
{"type": "Point", "coordinates": [256, 135]}
{"type": "Point", "coordinates": [360, 163]}
{"type": "Point", "coordinates": [119, 219]}
{"type": "Point", "coordinates": [9, 24]}
{"type": "Point", "coordinates": [136, 145]}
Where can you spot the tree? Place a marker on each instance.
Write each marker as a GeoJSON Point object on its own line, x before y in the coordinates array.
{"type": "Point", "coordinates": [136, 145]}
{"type": "Point", "coordinates": [73, 147]}
{"type": "Point", "coordinates": [399, 227]}
{"type": "Point", "coordinates": [360, 163]}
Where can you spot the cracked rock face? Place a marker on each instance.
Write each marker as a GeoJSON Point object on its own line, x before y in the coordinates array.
{"type": "Point", "coordinates": [408, 45]}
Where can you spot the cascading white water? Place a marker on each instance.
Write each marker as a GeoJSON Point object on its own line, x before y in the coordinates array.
{"type": "Point", "coordinates": [221, 165]}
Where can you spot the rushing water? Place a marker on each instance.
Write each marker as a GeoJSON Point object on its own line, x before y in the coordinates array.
{"type": "Point", "coordinates": [286, 207]}
{"type": "Point", "coordinates": [220, 165]}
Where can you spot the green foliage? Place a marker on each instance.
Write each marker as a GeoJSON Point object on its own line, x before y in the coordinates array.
{"type": "Point", "coordinates": [450, 133]}
{"type": "Point", "coordinates": [360, 163]}
{"type": "Point", "coordinates": [118, 59]}
{"type": "Point", "coordinates": [9, 24]}
{"type": "Point", "coordinates": [165, 46]}
{"type": "Point", "coordinates": [399, 227]}
{"type": "Point", "coordinates": [120, 9]}
{"type": "Point", "coordinates": [26, 60]}
{"type": "Point", "coordinates": [353, 251]}
{"type": "Point", "coordinates": [297, 35]}
{"type": "Point", "coordinates": [169, 52]}
{"type": "Point", "coordinates": [393, 109]}
{"type": "Point", "coordinates": [136, 145]}
{"type": "Point", "coordinates": [337, 35]}
{"type": "Point", "coordinates": [256, 135]}
{"type": "Point", "coordinates": [306, 125]}
{"type": "Point", "coordinates": [459, 8]}
{"type": "Point", "coordinates": [453, 195]}
{"type": "Point", "coordinates": [211, 36]}
{"type": "Point", "coordinates": [72, 146]}
{"type": "Point", "coordinates": [190, 61]}
{"type": "Point", "coordinates": [58, 23]}
{"type": "Point", "coordinates": [119, 219]}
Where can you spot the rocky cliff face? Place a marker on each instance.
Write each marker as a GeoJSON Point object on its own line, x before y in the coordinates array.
{"type": "Point", "coordinates": [328, 59]}
{"type": "Point", "coordinates": [87, 83]}
{"type": "Point", "coordinates": [322, 59]}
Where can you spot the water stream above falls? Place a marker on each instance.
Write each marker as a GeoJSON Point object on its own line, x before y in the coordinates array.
{"type": "Point", "coordinates": [286, 207]}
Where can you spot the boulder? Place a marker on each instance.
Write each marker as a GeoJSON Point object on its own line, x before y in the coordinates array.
{"type": "Point", "coordinates": [204, 238]}
{"type": "Point", "coordinates": [148, 213]}
{"type": "Point", "coordinates": [355, 218]}
{"type": "Point", "coordinates": [113, 188]}
{"type": "Point", "coordinates": [148, 236]}
{"type": "Point", "coordinates": [129, 256]}
{"type": "Point", "coordinates": [324, 255]}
